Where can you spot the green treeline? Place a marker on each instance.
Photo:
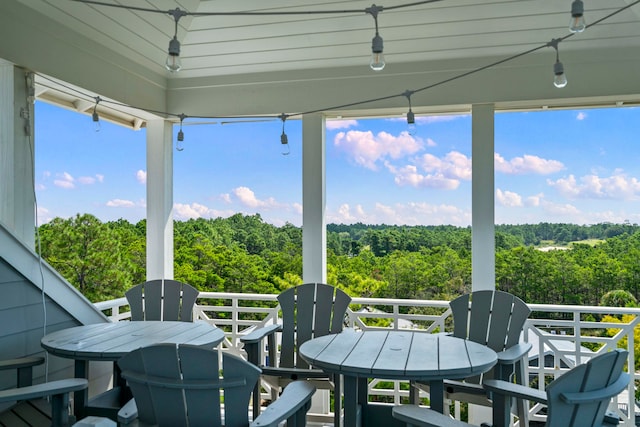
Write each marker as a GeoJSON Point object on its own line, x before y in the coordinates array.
{"type": "Point", "coordinates": [245, 254]}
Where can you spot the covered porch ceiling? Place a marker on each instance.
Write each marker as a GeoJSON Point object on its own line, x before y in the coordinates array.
{"type": "Point", "coordinates": [452, 53]}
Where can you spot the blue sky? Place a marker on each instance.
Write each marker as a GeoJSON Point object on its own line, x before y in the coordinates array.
{"type": "Point", "coordinates": [575, 166]}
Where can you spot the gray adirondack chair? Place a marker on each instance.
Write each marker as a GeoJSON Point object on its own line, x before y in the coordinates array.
{"type": "Point", "coordinates": [162, 299]}
{"type": "Point", "coordinates": [29, 398]}
{"type": "Point", "coordinates": [180, 386]}
{"type": "Point", "coordinates": [309, 310]}
{"type": "Point", "coordinates": [579, 398]}
{"type": "Point", "coordinates": [495, 319]}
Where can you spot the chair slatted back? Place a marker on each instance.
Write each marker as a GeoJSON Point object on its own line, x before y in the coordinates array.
{"type": "Point", "coordinates": [580, 397]}
{"type": "Point", "coordinates": [181, 386]}
{"type": "Point", "coordinates": [491, 318]}
{"type": "Point", "coordinates": [309, 310]}
{"type": "Point", "coordinates": [162, 300]}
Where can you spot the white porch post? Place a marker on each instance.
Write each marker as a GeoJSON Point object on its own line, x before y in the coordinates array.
{"type": "Point", "coordinates": [159, 200]}
{"type": "Point", "coordinates": [314, 230]}
{"type": "Point", "coordinates": [483, 260]}
{"type": "Point", "coordinates": [17, 197]}
{"type": "Point", "coordinates": [483, 275]}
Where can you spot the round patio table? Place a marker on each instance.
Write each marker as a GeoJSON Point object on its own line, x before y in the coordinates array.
{"type": "Point", "coordinates": [109, 342]}
{"type": "Point", "coordinates": [394, 355]}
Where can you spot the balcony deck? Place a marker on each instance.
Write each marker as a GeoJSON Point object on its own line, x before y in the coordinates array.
{"type": "Point", "coordinates": [564, 335]}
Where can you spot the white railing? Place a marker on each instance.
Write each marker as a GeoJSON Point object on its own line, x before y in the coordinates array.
{"type": "Point", "coordinates": [563, 334]}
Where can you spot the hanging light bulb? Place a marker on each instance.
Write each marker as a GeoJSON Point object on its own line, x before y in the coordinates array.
{"type": "Point", "coordinates": [411, 118]}
{"type": "Point", "coordinates": [173, 62]}
{"type": "Point", "coordinates": [377, 46]}
{"type": "Point", "coordinates": [560, 79]}
{"type": "Point", "coordinates": [577, 23]}
{"type": "Point", "coordinates": [179, 146]}
{"type": "Point", "coordinates": [284, 139]}
{"type": "Point", "coordinates": [377, 56]}
{"type": "Point", "coordinates": [95, 117]}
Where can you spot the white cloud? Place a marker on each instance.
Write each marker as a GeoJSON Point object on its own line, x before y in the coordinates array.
{"type": "Point", "coordinates": [508, 198]}
{"type": "Point", "coordinates": [340, 124]}
{"type": "Point", "coordinates": [120, 203]}
{"type": "Point", "coordinates": [534, 201]}
{"type": "Point", "coordinates": [581, 115]}
{"type": "Point", "coordinates": [527, 164]}
{"type": "Point", "coordinates": [184, 212]}
{"type": "Point", "coordinates": [64, 180]}
{"type": "Point", "coordinates": [617, 186]}
{"type": "Point", "coordinates": [365, 149]}
{"type": "Point", "coordinates": [561, 209]}
{"type": "Point", "coordinates": [297, 208]}
{"type": "Point", "coordinates": [44, 215]}
{"type": "Point", "coordinates": [141, 176]}
{"type": "Point", "coordinates": [86, 180]}
{"type": "Point", "coordinates": [429, 171]}
{"type": "Point", "coordinates": [194, 210]}
{"type": "Point", "coordinates": [247, 197]}
{"type": "Point", "coordinates": [454, 165]}
{"type": "Point", "coordinates": [226, 198]}
{"type": "Point", "coordinates": [401, 214]}
{"type": "Point", "coordinates": [409, 175]}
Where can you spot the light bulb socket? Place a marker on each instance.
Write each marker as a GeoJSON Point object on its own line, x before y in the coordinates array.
{"type": "Point", "coordinates": [95, 116]}
{"type": "Point", "coordinates": [174, 47]}
{"type": "Point", "coordinates": [377, 45]}
{"type": "Point", "coordinates": [558, 68]}
{"type": "Point", "coordinates": [284, 139]}
{"type": "Point", "coordinates": [411, 118]}
{"type": "Point", "coordinates": [180, 135]}
{"type": "Point", "coordinates": [577, 8]}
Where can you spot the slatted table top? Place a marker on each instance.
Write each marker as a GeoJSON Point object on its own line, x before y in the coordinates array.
{"type": "Point", "coordinates": [111, 341]}
{"type": "Point", "coordinates": [398, 355]}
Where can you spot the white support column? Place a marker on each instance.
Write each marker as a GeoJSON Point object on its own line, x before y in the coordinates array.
{"type": "Point", "coordinates": [483, 261]}
{"type": "Point", "coordinates": [17, 194]}
{"type": "Point", "coordinates": [159, 200]}
{"type": "Point", "coordinates": [314, 229]}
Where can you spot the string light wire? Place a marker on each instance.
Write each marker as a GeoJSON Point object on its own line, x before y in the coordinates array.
{"type": "Point", "coordinates": [333, 107]}
{"type": "Point", "coordinates": [258, 13]}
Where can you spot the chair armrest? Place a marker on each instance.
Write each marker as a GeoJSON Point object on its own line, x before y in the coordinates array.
{"type": "Point", "coordinates": [23, 362]}
{"type": "Point", "coordinates": [259, 334]}
{"type": "Point", "coordinates": [514, 353]}
{"type": "Point", "coordinates": [24, 368]}
{"type": "Point", "coordinates": [294, 373]}
{"type": "Point", "coordinates": [295, 397]}
{"type": "Point", "coordinates": [515, 390]}
{"type": "Point", "coordinates": [51, 388]}
{"type": "Point", "coordinates": [128, 412]}
{"type": "Point", "coordinates": [417, 416]}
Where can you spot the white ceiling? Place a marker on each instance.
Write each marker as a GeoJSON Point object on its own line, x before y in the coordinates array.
{"type": "Point", "coordinates": [321, 60]}
{"type": "Point", "coordinates": [223, 45]}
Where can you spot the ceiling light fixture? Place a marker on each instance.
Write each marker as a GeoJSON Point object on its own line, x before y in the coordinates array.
{"type": "Point", "coordinates": [560, 79]}
{"type": "Point", "coordinates": [284, 139]}
{"type": "Point", "coordinates": [411, 118]}
{"type": "Point", "coordinates": [179, 146]}
{"type": "Point", "coordinates": [377, 47]}
{"type": "Point", "coordinates": [577, 23]}
{"type": "Point", "coordinates": [95, 117]}
{"type": "Point", "coordinates": [173, 62]}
